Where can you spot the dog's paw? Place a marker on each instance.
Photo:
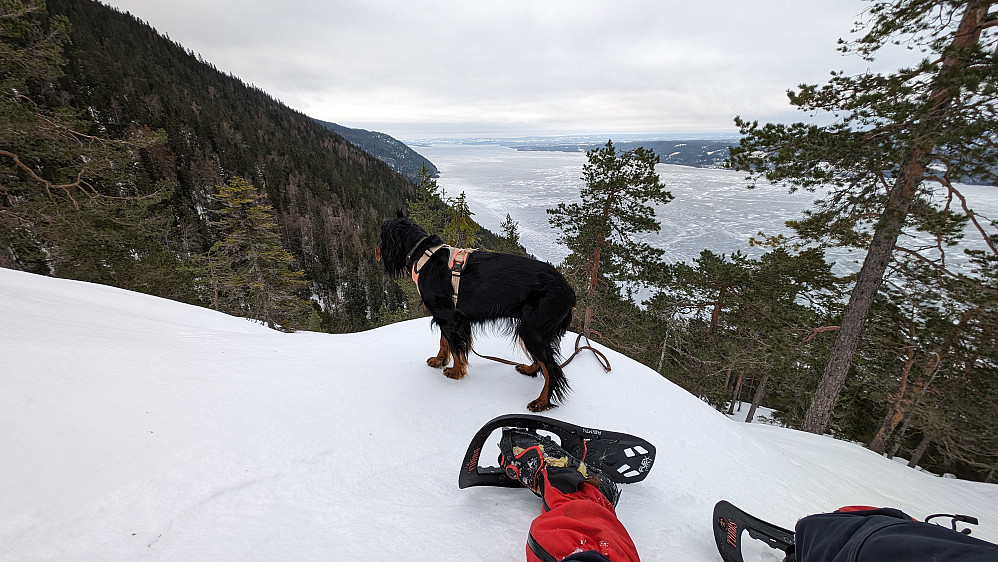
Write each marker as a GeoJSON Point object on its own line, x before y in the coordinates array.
{"type": "Point", "coordinates": [538, 406]}
{"type": "Point", "coordinates": [455, 373]}
{"type": "Point", "coordinates": [529, 370]}
{"type": "Point", "coordinates": [436, 362]}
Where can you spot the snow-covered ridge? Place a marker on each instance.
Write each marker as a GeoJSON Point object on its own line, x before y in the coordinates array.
{"type": "Point", "coordinates": [135, 428]}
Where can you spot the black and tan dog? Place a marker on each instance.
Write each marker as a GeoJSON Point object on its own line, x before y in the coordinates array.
{"type": "Point", "coordinates": [530, 297]}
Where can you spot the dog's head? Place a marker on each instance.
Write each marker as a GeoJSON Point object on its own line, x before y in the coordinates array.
{"type": "Point", "coordinates": [398, 236]}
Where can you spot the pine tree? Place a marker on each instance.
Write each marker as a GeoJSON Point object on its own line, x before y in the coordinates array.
{"type": "Point", "coordinates": [462, 230]}
{"type": "Point", "coordinates": [943, 397]}
{"type": "Point", "coordinates": [427, 209]}
{"type": "Point", "coordinates": [118, 241]}
{"type": "Point", "coordinates": [509, 240]}
{"type": "Point", "coordinates": [733, 323]}
{"type": "Point", "coordinates": [250, 272]}
{"type": "Point", "coordinates": [602, 231]}
{"type": "Point", "coordinates": [933, 122]}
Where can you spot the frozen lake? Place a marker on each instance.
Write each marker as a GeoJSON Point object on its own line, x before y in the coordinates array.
{"type": "Point", "coordinates": [713, 209]}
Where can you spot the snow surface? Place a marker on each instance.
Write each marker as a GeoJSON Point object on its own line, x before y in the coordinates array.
{"type": "Point", "coordinates": [136, 428]}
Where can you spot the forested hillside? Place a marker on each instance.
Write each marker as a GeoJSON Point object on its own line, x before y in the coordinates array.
{"type": "Point", "coordinates": [198, 129]}
{"type": "Point", "coordinates": [390, 150]}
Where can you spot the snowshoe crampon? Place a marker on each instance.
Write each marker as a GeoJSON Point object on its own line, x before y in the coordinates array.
{"type": "Point", "coordinates": [729, 524]}
{"type": "Point", "coordinates": [624, 458]}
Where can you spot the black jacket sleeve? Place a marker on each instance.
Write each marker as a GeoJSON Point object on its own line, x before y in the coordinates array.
{"type": "Point", "coordinates": [884, 534]}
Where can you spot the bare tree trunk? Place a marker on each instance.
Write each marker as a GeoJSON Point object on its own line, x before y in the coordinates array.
{"type": "Point", "coordinates": [592, 280]}
{"type": "Point", "coordinates": [715, 314]}
{"type": "Point", "coordinates": [734, 394]}
{"type": "Point", "coordinates": [757, 399]}
{"type": "Point", "coordinates": [7, 259]}
{"type": "Point", "coordinates": [896, 410]}
{"type": "Point", "coordinates": [919, 451]}
{"type": "Point", "coordinates": [867, 284]}
{"type": "Point", "coordinates": [886, 232]}
{"type": "Point", "coordinates": [661, 355]}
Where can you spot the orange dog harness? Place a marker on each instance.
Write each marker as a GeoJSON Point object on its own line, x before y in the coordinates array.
{"type": "Point", "coordinates": [458, 259]}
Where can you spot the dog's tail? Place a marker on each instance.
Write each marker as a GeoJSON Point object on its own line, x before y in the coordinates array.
{"type": "Point", "coordinates": [541, 336]}
{"type": "Point", "coordinates": [559, 387]}
{"type": "Point", "coordinates": [559, 383]}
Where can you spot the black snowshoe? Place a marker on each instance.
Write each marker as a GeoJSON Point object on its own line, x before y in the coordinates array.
{"type": "Point", "coordinates": [624, 458]}
{"type": "Point", "coordinates": [730, 522]}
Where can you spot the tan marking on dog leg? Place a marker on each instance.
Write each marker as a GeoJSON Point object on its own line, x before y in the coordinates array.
{"type": "Point", "coordinates": [442, 357]}
{"type": "Point", "coordinates": [460, 367]}
{"type": "Point", "coordinates": [543, 401]}
{"type": "Point", "coordinates": [529, 370]}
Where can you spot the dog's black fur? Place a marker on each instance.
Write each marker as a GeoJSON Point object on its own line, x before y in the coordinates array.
{"type": "Point", "coordinates": [532, 296]}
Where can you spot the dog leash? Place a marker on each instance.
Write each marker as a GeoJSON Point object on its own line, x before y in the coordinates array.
{"type": "Point", "coordinates": [603, 361]}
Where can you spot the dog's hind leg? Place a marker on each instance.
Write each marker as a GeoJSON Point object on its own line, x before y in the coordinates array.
{"type": "Point", "coordinates": [457, 333]}
{"type": "Point", "coordinates": [442, 357]}
{"type": "Point", "coordinates": [529, 370]}
{"type": "Point", "coordinates": [540, 331]}
{"type": "Point", "coordinates": [555, 385]}
{"type": "Point", "coordinates": [460, 367]}
{"type": "Point", "coordinates": [542, 402]}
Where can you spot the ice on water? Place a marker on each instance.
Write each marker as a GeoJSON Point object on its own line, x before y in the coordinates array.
{"type": "Point", "coordinates": [713, 208]}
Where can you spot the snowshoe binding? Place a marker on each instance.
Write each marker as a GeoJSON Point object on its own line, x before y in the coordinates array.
{"type": "Point", "coordinates": [524, 455]}
{"type": "Point", "coordinates": [621, 457]}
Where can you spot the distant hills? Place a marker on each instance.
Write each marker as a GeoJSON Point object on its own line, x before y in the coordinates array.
{"type": "Point", "coordinates": [696, 153]}
{"type": "Point", "coordinates": [388, 149]}
{"type": "Point", "coordinates": [708, 151]}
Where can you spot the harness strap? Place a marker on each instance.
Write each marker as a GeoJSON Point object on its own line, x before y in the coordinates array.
{"type": "Point", "coordinates": [457, 261]}
{"type": "Point", "coordinates": [418, 265]}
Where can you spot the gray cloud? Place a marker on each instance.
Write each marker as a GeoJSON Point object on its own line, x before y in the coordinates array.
{"type": "Point", "coordinates": [424, 67]}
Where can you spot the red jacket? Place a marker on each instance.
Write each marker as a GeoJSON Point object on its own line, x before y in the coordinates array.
{"type": "Point", "coordinates": [579, 522]}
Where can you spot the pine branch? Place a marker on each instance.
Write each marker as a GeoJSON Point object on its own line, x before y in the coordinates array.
{"type": "Point", "coordinates": [819, 330]}
{"type": "Point", "coordinates": [925, 260]}
{"type": "Point", "coordinates": [967, 210]}
{"type": "Point", "coordinates": [49, 186]}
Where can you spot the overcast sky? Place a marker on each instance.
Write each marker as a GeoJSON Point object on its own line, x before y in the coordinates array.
{"type": "Point", "coordinates": [425, 68]}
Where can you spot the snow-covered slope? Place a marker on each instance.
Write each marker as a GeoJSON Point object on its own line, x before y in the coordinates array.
{"type": "Point", "coordinates": [135, 428]}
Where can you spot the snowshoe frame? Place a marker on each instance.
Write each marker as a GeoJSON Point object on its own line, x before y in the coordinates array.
{"type": "Point", "coordinates": [729, 522]}
{"type": "Point", "coordinates": [624, 458]}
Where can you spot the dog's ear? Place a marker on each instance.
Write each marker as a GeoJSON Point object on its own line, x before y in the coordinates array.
{"type": "Point", "coordinates": [400, 214]}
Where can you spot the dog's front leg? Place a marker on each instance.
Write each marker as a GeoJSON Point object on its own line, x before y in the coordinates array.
{"type": "Point", "coordinates": [455, 333]}
{"type": "Point", "coordinates": [442, 357]}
